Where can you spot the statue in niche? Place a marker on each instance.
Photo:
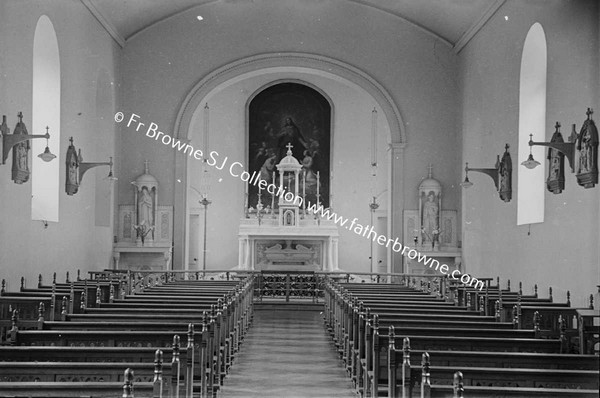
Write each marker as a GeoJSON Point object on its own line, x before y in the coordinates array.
{"type": "Point", "coordinates": [20, 152]}
{"type": "Point", "coordinates": [431, 212]}
{"type": "Point", "coordinates": [556, 173]}
{"type": "Point", "coordinates": [72, 177]}
{"type": "Point", "coordinates": [145, 201]}
{"type": "Point", "coordinates": [145, 208]}
{"type": "Point", "coordinates": [288, 218]}
{"type": "Point", "coordinates": [587, 146]}
{"type": "Point", "coordinates": [430, 203]}
{"type": "Point", "coordinates": [505, 176]}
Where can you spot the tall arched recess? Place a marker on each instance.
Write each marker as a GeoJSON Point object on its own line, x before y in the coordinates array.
{"type": "Point", "coordinates": [45, 112]}
{"type": "Point", "coordinates": [532, 120]}
{"type": "Point", "coordinates": [308, 62]}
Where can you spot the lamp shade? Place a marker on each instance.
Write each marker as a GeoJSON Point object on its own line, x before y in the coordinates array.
{"type": "Point", "coordinates": [46, 156]}
{"type": "Point", "coordinates": [530, 163]}
{"type": "Point", "coordinates": [466, 183]}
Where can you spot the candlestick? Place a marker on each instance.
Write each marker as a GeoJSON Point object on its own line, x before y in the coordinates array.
{"type": "Point", "coordinates": [304, 194]}
{"type": "Point", "coordinates": [259, 194]}
{"type": "Point", "coordinates": [374, 138]}
{"type": "Point", "coordinates": [206, 129]}
{"type": "Point", "coordinates": [245, 200]}
{"type": "Point", "coordinates": [318, 184]}
{"type": "Point", "coordinates": [273, 197]}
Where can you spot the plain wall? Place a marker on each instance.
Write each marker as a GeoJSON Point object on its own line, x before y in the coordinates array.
{"type": "Point", "coordinates": [351, 189]}
{"type": "Point", "coordinates": [163, 63]}
{"type": "Point", "coordinates": [563, 251]}
{"type": "Point", "coordinates": [26, 247]}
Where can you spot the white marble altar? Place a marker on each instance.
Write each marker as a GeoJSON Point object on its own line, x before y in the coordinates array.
{"type": "Point", "coordinates": [289, 238]}
{"type": "Point", "coordinates": [309, 246]}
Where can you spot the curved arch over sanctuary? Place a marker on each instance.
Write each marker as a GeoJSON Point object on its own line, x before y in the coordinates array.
{"type": "Point", "coordinates": [245, 110]}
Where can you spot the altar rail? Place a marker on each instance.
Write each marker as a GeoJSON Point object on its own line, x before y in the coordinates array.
{"type": "Point", "coordinates": [286, 285]}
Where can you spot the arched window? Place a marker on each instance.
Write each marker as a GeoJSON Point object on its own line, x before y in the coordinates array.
{"type": "Point", "coordinates": [45, 182]}
{"type": "Point", "coordinates": [532, 120]}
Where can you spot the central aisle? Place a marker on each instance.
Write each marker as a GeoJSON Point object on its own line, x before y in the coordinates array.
{"type": "Point", "coordinates": [287, 354]}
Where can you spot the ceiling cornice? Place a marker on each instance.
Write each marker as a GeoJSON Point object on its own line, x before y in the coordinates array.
{"type": "Point", "coordinates": [412, 23]}
{"type": "Point", "coordinates": [110, 29]}
{"type": "Point", "coordinates": [475, 28]}
{"type": "Point", "coordinates": [458, 46]}
{"type": "Point", "coordinates": [203, 3]}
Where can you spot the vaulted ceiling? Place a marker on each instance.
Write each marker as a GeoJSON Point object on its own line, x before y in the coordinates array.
{"type": "Point", "coordinates": [451, 21]}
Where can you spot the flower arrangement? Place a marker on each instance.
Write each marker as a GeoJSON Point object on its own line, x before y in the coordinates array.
{"type": "Point", "coordinates": [143, 230]}
{"type": "Point", "coordinates": [434, 238]}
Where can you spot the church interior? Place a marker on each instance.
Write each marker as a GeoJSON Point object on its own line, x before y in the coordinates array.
{"type": "Point", "coordinates": [296, 168]}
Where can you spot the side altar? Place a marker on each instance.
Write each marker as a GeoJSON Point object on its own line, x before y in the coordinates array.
{"type": "Point", "coordinates": [144, 238]}
{"type": "Point", "coordinates": [287, 237]}
{"type": "Point", "coordinates": [431, 230]}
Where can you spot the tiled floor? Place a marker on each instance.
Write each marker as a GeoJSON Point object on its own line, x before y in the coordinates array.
{"type": "Point", "coordinates": [287, 354]}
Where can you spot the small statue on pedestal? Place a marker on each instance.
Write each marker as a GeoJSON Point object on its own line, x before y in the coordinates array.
{"type": "Point", "coordinates": [430, 200]}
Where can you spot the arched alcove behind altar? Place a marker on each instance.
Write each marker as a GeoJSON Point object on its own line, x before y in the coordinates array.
{"type": "Point", "coordinates": [290, 113]}
{"type": "Point", "coordinates": [224, 113]}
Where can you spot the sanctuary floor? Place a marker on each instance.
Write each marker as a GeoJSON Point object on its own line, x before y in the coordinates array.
{"type": "Point", "coordinates": [287, 354]}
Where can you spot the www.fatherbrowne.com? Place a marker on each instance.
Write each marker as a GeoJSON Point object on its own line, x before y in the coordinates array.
{"type": "Point", "coordinates": [369, 233]}
{"type": "Point", "coordinates": [236, 169]}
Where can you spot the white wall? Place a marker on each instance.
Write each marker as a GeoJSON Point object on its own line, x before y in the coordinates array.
{"type": "Point", "coordinates": [350, 160]}
{"type": "Point", "coordinates": [26, 247]}
{"type": "Point", "coordinates": [563, 251]}
{"type": "Point", "coordinates": [163, 63]}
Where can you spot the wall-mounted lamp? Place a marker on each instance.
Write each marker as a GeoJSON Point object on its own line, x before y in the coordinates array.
{"type": "Point", "coordinates": [76, 168]}
{"type": "Point", "coordinates": [47, 156]}
{"type": "Point", "coordinates": [566, 148]}
{"type": "Point", "coordinates": [586, 143]}
{"type": "Point", "coordinates": [8, 140]}
{"type": "Point", "coordinates": [85, 166]}
{"type": "Point", "coordinates": [501, 174]}
{"type": "Point", "coordinates": [531, 163]}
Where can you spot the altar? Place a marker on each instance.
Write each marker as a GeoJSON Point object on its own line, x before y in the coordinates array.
{"type": "Point", "coordinates": [310, 246]}
{"type": "Point", "coordinates": [285, 236]}
{"type": "Point", "coordinates": [431, 230]}
{"type": "Point", "coordinates": [144, 237]}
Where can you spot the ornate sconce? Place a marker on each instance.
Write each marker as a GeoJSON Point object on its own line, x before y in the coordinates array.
{"type": "Point", "coordinates": [501, 174]}
{"type": "Point", "coordinates": [18, 142]}
{"type": "Point", "coordinates": [76, 168]}
{"type": "Point", "coordinates": [586, 143]}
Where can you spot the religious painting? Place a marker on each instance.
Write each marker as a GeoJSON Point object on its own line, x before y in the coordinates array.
{"type": "Point", "coordinates": [556, 167]}
{"type": "Point", "coordinates": [296, 116]}
{"type": "Point", "coordinates": [587, 147]}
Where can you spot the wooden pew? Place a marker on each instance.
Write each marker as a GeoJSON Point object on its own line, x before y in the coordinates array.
{"type": "Point", "coordinates": [353, 320]}
{"type": "Point", "coordinates": [494, 370]}
{"type": "Point", "coordinates": [228, 323]}
{"type": "Point", "coordinates": [364, 349]}
{"type": "Point", "coordinates": [65, 378]}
